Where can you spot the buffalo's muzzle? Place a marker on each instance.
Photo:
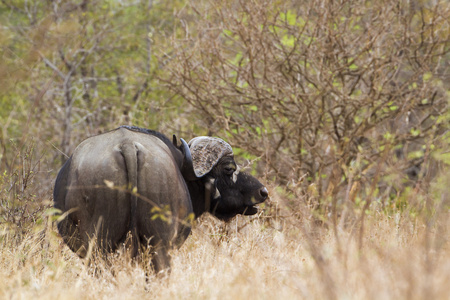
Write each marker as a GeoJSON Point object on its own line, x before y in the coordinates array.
{"type": "Point", "coordinates": [263, 193]}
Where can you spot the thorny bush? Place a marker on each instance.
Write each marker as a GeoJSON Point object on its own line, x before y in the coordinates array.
{"type": "Point", "coordinates": [21, 204]}
{"type": "Point", "coordinates": [342, 100]}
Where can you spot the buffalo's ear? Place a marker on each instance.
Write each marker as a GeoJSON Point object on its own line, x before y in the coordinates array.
{"type": "Point", "coordinates": [175, 141]}
{"type": "Point", "coordinates": [187, 169]}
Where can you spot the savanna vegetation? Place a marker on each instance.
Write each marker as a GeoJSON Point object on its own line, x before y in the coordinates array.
{"type": "Point", "coordinates": [339, 107]}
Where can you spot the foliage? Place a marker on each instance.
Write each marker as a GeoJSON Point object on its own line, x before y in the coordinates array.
{"type": "Point", "coordinates": [347, 92]}
{"type": "Point", "coordinates": [21, 205]}
{"type": "Point", "coordinates": [72, 69]}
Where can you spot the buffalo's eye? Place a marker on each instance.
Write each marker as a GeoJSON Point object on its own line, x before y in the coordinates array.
{"type": "Point", "coordinates": [229, 170]}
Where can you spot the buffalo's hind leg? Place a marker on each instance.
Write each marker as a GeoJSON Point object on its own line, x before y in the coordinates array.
{"type": "Point", "coordinates": [161, 261]}
{"type": "Point", "coordinates": [71, 236]}
{"type": "Point", "coordinates": [155, 262]}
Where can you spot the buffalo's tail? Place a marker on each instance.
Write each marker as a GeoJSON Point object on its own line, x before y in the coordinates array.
{"type": "Point", "coordinates": [129, 152]}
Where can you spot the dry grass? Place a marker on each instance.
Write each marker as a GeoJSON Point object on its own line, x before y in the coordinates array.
{"type": "Point", "coordinates": [401, 258]}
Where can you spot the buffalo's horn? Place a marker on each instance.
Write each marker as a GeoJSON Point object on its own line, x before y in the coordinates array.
{"type": "Point", "coordinates": [187, 169]}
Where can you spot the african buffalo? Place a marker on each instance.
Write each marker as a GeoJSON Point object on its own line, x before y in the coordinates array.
{"type": "Point", "coordinates": [134, 186]}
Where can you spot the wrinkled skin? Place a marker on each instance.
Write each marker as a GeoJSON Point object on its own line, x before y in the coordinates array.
{"type": "Point", "coordinates": [110, 186]}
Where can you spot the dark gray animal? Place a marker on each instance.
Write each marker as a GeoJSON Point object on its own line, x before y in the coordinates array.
{"type": "Point", "coordinates": [134, 186]}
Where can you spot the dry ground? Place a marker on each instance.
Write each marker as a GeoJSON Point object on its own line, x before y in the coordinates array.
{"type": "Point", "coordinates": [260, 258]}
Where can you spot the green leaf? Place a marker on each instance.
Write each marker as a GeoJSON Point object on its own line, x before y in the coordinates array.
{"type": "Point", "coordinates": [288, 41]}
{"type": "Point", "coordinates": [414, 132]}
{"type": "Point", "coordinates": [415, 154]}
{"type": "Point", "coordinates": [228, 32]}
{"type": "Point", "coordinates": [289, 17]}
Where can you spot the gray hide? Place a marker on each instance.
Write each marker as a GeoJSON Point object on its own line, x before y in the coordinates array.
{"type": "Point", "coordinates": [100, 178]}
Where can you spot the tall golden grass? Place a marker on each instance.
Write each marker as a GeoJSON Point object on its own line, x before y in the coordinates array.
{"type": "Point", "coordinates": [400, 256]}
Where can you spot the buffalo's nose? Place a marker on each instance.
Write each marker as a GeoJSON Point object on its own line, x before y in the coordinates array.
{"type": "Point", "coordinates": [264, 193]}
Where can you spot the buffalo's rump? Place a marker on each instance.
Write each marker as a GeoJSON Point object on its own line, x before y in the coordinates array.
{"type": "Point", "coordinates": [118, 183]}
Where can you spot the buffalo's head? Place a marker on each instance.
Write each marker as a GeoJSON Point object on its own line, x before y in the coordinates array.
{"type": "Point", "coordinates": [228, 191]}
